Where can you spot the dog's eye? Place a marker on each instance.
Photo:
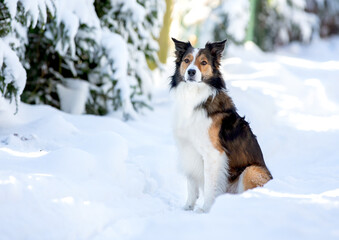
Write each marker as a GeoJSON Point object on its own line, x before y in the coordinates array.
{"type": "Point", "coordinates": [203, 63]}
{"type": "Point", "coordinates": [186, 60]}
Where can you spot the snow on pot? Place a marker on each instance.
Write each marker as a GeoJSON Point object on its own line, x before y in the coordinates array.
{"type": "Point", "coordinates": [73, 94]}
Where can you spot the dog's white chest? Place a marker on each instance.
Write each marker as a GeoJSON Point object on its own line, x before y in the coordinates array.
{"type": "Point", "coordinates": [192, 125]}
{"type": "Point", "coordinates": [190, 122]}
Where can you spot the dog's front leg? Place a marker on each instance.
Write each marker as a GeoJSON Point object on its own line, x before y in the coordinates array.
{"type": "Point", "coordinates": [192, 165]}
{"type": "Point", "coordinates": [193, 193]}
{"type": "Point", "coordinates": [214, 178]}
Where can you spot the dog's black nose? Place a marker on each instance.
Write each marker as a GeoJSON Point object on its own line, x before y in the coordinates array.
{"type": "Point", "coordinates": [191, 72]}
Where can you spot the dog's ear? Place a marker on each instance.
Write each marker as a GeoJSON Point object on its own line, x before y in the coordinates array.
{"type": "Point", "coordinates": [180, 48]}
{"type": "Point", "coordinates": [216, 48]}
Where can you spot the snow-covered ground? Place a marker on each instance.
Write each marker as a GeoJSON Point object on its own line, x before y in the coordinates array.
{"type": "Point", "coordinates": [86, 177]}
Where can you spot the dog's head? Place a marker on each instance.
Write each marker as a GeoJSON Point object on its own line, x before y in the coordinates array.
{"type": "Point", "coordinates": [198, 65]}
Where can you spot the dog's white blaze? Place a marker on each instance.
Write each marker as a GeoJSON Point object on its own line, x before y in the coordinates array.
{"type": "Point", "coordinates": [204, 166]}
{"type": "Point", "coordinates": [197, 76]}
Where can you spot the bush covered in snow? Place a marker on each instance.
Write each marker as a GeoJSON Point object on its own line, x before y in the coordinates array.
{"type": "Point", "coordinates": [80, 55]}
{"type": "Point", "coordinates": [273, 23]}
{"type": "Point", "coordinates": [228, 21]}
{"type": "Point", "coordinates": [280, 22]}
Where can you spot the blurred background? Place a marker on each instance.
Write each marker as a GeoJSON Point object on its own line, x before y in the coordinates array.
{"type": "Point", "coordinates": [97, 57]}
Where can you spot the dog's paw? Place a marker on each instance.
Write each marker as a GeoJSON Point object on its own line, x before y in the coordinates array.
{"type": "Point", "coordinates": [200, 210]}
{"type": "Point", "coordinates": [188, 207]}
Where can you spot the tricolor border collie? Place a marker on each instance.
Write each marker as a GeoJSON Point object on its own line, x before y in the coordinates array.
{"type": "Point", "coordinates": [217, 149]}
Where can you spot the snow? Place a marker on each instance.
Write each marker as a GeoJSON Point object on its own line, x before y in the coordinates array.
{"type": "Point", "coordinates": [11, 5]}
{"type": "Point", "coordinates": [87, 177]}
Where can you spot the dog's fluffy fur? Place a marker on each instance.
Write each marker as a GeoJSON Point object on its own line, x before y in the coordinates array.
{"type": "Point", "coordinates": [218, 151]}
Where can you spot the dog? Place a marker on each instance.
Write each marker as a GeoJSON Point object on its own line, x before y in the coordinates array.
{"type": "Point", "coordinates": [218, 151]}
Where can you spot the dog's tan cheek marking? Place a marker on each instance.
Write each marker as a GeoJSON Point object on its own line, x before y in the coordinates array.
{"type": "Point", "coordinates": [255, 176]}
{"type": "Point", "coordinates": [183, 65]}
{"type": "Point", "coordinates": [183, 68]}
{"type": "Point", "coordinates": [206, 70]}
{"type": "Point", "coordinates": [214, 130]}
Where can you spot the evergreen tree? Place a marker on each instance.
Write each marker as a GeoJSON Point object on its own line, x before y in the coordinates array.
{"type": "Point", "coordinates": [281, 22]}
{"type": "Point", "coordinates": [15, 17]}
{"type": "Point", "coordinates": [96, 50]}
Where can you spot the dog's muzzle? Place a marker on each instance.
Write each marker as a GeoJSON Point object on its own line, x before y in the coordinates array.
{"type": "Point", "coordinates": [191, 74]}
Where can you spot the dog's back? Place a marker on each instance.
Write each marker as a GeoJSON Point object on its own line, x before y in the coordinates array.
{"type": "Point", "coordinates": [232, 134]}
